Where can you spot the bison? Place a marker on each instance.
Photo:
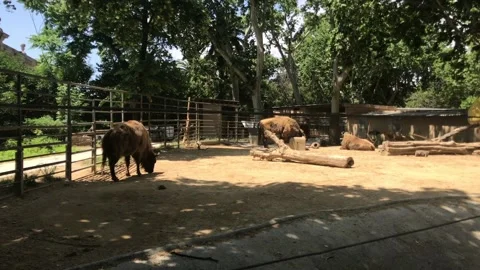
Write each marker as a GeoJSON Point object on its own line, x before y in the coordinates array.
{"type": "Point", "coordinates": [351, 142]}
{"type": "Point", "coordinates": [128, 139]}
{"type": "Point", "coordinates": [282, 126]}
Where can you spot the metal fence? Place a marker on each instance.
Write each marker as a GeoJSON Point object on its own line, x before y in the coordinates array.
{"type": "Point", "coordinates": [51, 128]}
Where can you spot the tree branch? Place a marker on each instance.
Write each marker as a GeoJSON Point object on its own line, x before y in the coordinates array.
{"type": "Point", "coordinates": [227, 59]}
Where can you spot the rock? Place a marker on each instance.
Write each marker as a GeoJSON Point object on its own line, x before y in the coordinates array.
{"type": "Point", "coordinates": [161, 187]}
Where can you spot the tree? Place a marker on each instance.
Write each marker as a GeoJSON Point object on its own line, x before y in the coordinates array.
{"type": "Point", "coordinates": [314, 61]}
{"type": "Point", "coordinates": [287, 33]}
{"type": "Point", "coordinates": [132, 36]}
{"type": "Point", "coordinates": [456, 22]}
{"type": "Point", "coordinates": [8, 6]}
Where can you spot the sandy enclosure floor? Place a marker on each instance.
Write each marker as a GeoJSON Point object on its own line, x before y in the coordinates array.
{"type": "Point", "coordinates": [207, 191]}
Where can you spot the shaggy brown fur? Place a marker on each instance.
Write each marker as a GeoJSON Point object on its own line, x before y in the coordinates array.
{"type": "Point", "coordinates": [128, 139]}
{"type": "Point", "coordinates": [282, 126]}
{"type": "Point", "coordinates": [351, 142]}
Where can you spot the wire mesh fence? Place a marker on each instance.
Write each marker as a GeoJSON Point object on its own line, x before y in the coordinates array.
{"type": "Point", "coordinates": [52, 130]}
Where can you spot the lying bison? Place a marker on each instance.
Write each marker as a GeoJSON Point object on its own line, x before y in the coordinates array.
{"type": "Point", "coordinates": [283, 126]}
{"type": "Point", "coordinates": [351, 142]}
{"type": "Point", "coordinates": [128, 139]}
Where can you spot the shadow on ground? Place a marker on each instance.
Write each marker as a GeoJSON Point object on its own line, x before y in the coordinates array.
{"type": "Point", "coordinates": [208, 151]}
{"type": "Point", "coordinates": [88, 221]}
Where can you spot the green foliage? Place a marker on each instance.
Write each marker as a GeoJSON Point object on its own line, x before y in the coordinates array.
{"type": "Point", "coordinates": [13, 62]}
{"type": "Point", "coordinates": [44, 121]}
{"type": "Point", "coordinates": [424, 99]}
{"type": "Point", "coordinates": [394, 52]}
{"type": "Point", "coordinates": [33, 151]}
{"type": "Point", "coordinates": [468, 102]}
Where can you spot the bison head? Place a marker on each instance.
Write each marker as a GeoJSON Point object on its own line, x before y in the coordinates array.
{"type": "Point", "coordinates": [149, 161]}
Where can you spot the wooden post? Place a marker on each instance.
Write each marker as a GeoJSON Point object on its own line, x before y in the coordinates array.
{"type": "Point", "coordinates": [68, 157]}
{"type": "Point", "coordinates": [165, 122]}
{"type": "Point", "coordinates": [186, 135]}
{"type": "Point", "coordinates": [94, 139]}
{"type": "Point", "coordinates": [178, 124]}
{"type": "Point", "coordinates": [123, 112]}
{"type": "Point", "coordinates": [19, 179]}
{"type": "Point", "coordinates": [236, 124]}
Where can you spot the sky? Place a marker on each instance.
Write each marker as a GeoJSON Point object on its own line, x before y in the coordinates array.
{"type": "Point", "coordinates": [21, 24]}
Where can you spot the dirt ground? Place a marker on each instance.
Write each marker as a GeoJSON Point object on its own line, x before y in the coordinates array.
{"type": "Point", "coordinates": [207, 191]}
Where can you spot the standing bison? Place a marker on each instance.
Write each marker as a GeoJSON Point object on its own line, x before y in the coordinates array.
{"type": "Point", "coordinates": [282, 126]}
{"type": "Point", "coordinates": [128, 139]}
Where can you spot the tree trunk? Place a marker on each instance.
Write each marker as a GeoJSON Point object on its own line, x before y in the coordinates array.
{"type": "Point", "coordinates": [257, 95]}
{"type": "Point", "coordinates": [235, 86]}
{"type": "Point", "coordinates": [338, 81]}
{"type": "Point", "coordinates": [285, 152]}
{"type": "Point", "coordinates": [290, 68]}
{"type": "Point", "coordinates": [233, 77]}
{"type": "Point", "coordinates": [294, 80]}
{"type": "Point", "coordinates": [142, 56]}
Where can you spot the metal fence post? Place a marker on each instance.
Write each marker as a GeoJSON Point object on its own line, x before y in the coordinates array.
{"type": "Point", "coordinates": [19, 179]}
{"type": "Point", "coordinates": [68, 158]}
{"type": "Point", "coordinates": [123, 113]}
{"type": "Point", "coordinates": [197, 128]}
{"type": "Point", "coordinates": [94, 140]}
{"type": "Point", "coordinates": [111, 111]}
{"type": "Point", "coordinates": [165, 122]}
{"type": "Point", "coordinates": [149, 116]}
{"type": "Point", "coordinates": [228, 131]}
{"type": "Point", "coordinates": [178, 124]}
{"type": "Point", "coordinates": [236, 124]}
{"type": "Point", "coordinates": [141, 108]}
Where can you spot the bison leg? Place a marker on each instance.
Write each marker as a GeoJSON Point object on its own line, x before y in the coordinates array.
{"type": "Point", "coordinates": [111, 162]}
{"type": "Point", "coordinates": [127, 163]}
{"type": "Point", "coordinates": [137, 161]}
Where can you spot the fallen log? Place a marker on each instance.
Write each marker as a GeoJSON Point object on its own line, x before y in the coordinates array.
{"type": "Point", "coordinates": [430, 143]}
{"type": "Point", "coordinates": [454, 132]}
{"type": "Point", "coordinates": [434, 148]}
{"type": "Point", "coordinates": [286, 153]}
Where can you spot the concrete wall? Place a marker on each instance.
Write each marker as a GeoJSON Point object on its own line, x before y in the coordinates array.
{"type": "Point", "coordinates": [417, 127]}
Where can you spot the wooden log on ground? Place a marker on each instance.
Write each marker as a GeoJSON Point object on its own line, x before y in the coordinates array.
{"type": "Point", "coordinates": [431, 143]}
{"type": "Point", "coordinates": [286, 153]}
{"type": "Point", "coordinates": [434, 148]}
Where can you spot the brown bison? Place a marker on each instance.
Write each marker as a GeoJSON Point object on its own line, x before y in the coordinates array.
{"type": "Point", "coordinates": [351, 142]}
{"type": "Point", "coordinates": [128, 139]}
{"type": "Point", "coordinates": [282, 126]}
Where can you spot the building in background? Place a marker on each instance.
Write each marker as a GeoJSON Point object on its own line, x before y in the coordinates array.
{"type": "Point", "coordinates": [4, 47]}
